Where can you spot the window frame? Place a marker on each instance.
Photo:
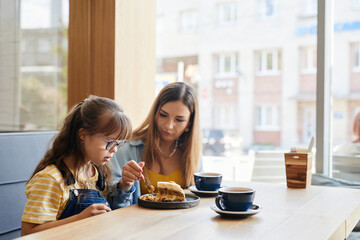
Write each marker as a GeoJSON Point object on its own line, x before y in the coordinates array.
{"type": "Point", "coordinates": [184, 15]}
{"type": "Point", "coordinates": [356, 57]}
{"type": "Point", "coordinates": [308, 65]}
{"type": "Point", "coordinates": [262, 62]}
{"type": "Point", "coordinates": [220, 65]}
{"type": "Point", "coordinates": [263, 117]}
{"type": "Point", "coordinates": [221, 12]}
{"type": "Point", "coordinates": [325, 35]}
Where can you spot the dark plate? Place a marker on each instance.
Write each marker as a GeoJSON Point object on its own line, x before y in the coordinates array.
{"type": "Point", "coordinates": [191, 201]}
{"type": "Point", "coordinates": [237, 214]}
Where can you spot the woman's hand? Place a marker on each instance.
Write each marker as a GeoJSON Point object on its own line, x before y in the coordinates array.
{"type": "Point", "coordinates": [131, 172]}
{"type": "Point", "coordinates": [94, 209]}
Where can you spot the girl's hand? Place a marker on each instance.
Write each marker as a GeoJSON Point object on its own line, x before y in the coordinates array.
{"type": "Point", "coordinates": [131, 172]}
{"type": "Point", "coordinates": [94, 209]}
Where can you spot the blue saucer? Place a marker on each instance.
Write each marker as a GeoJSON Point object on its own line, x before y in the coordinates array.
{"type": "Point", "coordinates": [237, 214]}
{"type": "Point", "coordinates": [203, 193]}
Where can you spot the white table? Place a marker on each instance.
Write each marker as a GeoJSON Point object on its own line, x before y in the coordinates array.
{"type": "Point", "coordinates": [312, 213]}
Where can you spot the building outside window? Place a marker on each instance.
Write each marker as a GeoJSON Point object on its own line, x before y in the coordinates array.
{"type": "Point", "coordinates": [308, 60]}
{"type": "Point", "coordinates": [267, 117]}
{"type": "Point", "coordinates": [309, 8]}
{"type": "Point", "coordinates": [268, 9]}
{"type": "Point", "coordinates": [33, 69]}
{"type": "Point", "coordinates": [357, 4]}
{"type": "Point", "coordinates": [225, 116]}
{"type": "Point", "coordinates": [188, 21]}
{"type": "Point", "coordinates": [226, 65]}
{"type": "Point", "coordinates": [309, 123]}
{"type": "Point", "coordinates": [160, 25]}
{"type": "Point", "coordinates": [226, 13]}
{"type": "Point", "coordinates": [356, 55]}
{"type": "Point", "coordinates": [268, 62]}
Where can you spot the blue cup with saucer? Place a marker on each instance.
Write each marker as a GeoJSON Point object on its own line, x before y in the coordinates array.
{"type": "Point", "coordinates": [235, 198]}
{"type": "Point", "coordinates": [206, 181]}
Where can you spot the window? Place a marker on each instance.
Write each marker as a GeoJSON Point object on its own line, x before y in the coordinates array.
{"type": "Point", "coordinates": [44, 46]}
{"type": "Point", "coordinates": [160, 25]}
{"type": "Point", "coordinates": [226, 13]}
{"type": "Point", "coordinates": [226, 65]}
{"type": "Point", "coordinates": [309, 8]}
{"type": "Point", "coordinates": [268, 9]}
{"type": "Point", "coordinates": [308, 60]}
{"type": "Point", "coordinates": [267, 117]}
{"type": "Point", "coordinates": [268, 62]}
{"type": "Point", "coordinates": [357, 4]}
{"type": "Point", "coordinates": [225, 116]}
{"type": "Point", "coordinates": [248, 79]}
{"type": "Point", "coordinates": [309, 123]}
{"type": "Point", "coordinates": [33, 69]}
{"type": "Point", "coordinates": [188, 21]}
{"type": "Point", "coordinates": [356, 55]}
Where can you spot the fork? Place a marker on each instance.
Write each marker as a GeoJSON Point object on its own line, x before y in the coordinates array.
{"type": "Point", "coordinates": [151, 187]}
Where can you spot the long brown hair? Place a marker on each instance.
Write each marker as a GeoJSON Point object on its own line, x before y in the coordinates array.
{"type": "Point", "coordinates": [356, 128]}
{"type": "Point", "coordinates": [85, 115]}
{"type": "Point", "coordinates": [190, 140]}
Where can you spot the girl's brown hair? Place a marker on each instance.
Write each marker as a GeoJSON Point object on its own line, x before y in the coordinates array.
{"type": "Point", "coordinates": [356, 127]}
{"type": "Point", "coordinates": [190, 140]}
{"type": "Point", "coordinates": [86, 115]}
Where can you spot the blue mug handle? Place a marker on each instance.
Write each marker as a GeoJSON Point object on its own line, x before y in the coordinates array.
{"type": "Point", "coordinates": [219, 202]}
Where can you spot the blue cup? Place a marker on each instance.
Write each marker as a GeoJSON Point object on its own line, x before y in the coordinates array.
{"type": "Point", "coordinates": [207, 181]}
{"type": "Point", "coordinates": [235, 198]}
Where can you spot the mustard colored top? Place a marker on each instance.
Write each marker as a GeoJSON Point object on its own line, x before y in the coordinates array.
{"type": "Point", "coordinates": [175, 176]}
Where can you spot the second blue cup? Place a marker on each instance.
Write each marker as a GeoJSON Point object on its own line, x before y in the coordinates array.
{"type": "Point", "coordinates": [207, 181]}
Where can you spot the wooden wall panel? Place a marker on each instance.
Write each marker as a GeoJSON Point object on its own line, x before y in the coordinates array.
{"type": "Point", "coordinates": [112, 53]}
{"type": "Point", "coordinates": [79, 51]}
{"type": "Point", "coordinates": [102, 47]}
{"type": "Point", "coordinates": [135, 63]}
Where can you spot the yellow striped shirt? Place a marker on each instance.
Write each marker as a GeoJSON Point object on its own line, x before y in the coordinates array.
{"type": "Point", "coordinates": [47, 195]}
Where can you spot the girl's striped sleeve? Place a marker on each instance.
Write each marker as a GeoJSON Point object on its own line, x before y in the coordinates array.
{"type": "Point", "coordinates": [44, 197]}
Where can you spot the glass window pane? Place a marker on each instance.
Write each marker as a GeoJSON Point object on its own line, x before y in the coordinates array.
{"type": "Point", "coordinates": [227, 67]}
{"type": "Point", "coordinates": [264, 102]}
{"type": "Point", "coordinates": [346, 91]}
{"type": "Point", "coordinates": [269, 60]}
{"type": "Point", "coordinates": [33, 69]}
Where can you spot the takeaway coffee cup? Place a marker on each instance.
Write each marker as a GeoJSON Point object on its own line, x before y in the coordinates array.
{"type": "Point", "coordinates": [207, 181]}
{"type": "Point", "coordinates": [235, 198]}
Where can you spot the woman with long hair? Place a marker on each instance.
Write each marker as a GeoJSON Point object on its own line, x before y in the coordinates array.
{"type": "Point", "coordinates": [165, 147]}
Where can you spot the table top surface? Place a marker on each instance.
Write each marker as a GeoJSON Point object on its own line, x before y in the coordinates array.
{"type": "Point", "coordinates": [311, 213]}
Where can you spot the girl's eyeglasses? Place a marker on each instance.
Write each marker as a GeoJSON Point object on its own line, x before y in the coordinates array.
{"type": "Point", "coordinates": [112, 143]}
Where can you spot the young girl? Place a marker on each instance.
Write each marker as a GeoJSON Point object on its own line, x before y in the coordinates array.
{"type": "Point", "coordinates": [166, 147]}
{"type": "Point", "coordinates": [69, 182]}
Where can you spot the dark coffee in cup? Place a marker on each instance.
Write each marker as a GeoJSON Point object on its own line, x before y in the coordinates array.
{"type": "Point", "coordinates": [235, 198]}
{"type": "Point", "coordinates": [206, 181]}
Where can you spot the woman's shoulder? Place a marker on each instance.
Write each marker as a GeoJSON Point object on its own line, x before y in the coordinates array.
{"type": "Point", "coordinates": [132, 145]}
{"type": "Point", "coordinates": [136, 143]}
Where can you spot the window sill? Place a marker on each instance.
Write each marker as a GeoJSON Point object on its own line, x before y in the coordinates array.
{"type": "Point", "coordinates": [267, 129]}
{"type": "Point", "coordinates": [272, 73]}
